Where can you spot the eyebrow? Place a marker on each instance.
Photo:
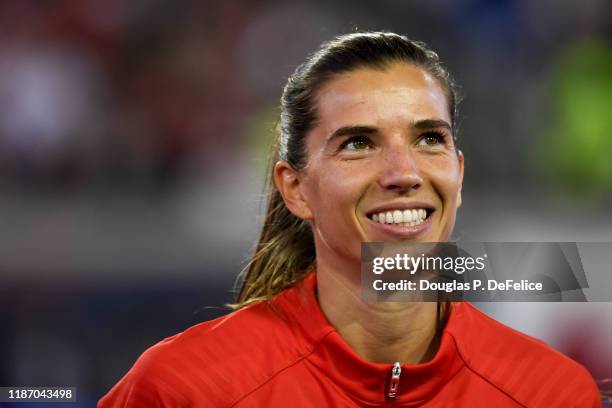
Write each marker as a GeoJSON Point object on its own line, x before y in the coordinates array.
{"type": "Point", "coordinates": [368, 130]}
{"type": "Point", "coordinates": [431, 124]}
{"type": "Point", "coordinates": [352, 131]}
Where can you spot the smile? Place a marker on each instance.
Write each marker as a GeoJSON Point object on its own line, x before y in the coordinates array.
{"type": "Point", "coordinates": [402, 218]}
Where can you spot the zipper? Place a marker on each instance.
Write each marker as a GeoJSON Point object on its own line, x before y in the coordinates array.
{"type": "Point", "coordinates": [396, 371]}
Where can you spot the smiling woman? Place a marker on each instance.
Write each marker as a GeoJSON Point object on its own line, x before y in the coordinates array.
{"type": "Point", "coordinates": [366, 153]}
{"type": "Point", "coordinates": [382, 144]}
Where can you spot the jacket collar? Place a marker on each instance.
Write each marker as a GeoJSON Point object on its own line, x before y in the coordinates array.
{"type": "Point", "coordinates": [364, 381]}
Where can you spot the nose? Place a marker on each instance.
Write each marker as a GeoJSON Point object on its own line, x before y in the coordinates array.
{"type": "Point", "coordinates": [400, 171]}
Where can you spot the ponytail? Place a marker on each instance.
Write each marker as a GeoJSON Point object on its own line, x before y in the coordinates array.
{"type": "Point", "coordinates": [606, 395]}
{"type": "Point", "coordinates": [284, 253]}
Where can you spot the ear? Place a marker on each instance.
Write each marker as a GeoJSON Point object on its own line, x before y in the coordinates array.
{"type": "Point", "coordinates": [461, 165]}
{"type": "Point", "coordinates": [289, 184]}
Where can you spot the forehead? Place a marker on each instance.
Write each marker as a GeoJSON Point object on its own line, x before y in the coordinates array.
{"type": "Point", "coordinates": [399, 94]}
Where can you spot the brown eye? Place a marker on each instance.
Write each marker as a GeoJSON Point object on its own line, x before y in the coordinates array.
{"type": "Point", "coordinates": [357, 143]}
{"type": "Point", "coordinates": [431, 139]}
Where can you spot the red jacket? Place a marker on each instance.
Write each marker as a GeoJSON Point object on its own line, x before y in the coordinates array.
{"type": "Point", "coordinates": [258, 357]}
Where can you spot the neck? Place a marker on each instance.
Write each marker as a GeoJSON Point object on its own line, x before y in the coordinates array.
{"type": "Point", "coordinates": [380, 332]}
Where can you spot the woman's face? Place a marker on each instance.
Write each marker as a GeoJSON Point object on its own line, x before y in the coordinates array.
{"type": "Point", "coordinates": [382, 165]}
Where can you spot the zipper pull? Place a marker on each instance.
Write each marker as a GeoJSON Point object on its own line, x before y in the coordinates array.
{"type": "Point", "coordinates": [396, 371]}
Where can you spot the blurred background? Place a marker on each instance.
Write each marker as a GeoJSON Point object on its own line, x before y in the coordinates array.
{"type": "Point", "coordinates": [133, 146]}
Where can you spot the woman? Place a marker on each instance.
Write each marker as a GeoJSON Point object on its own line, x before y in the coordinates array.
{"type": "Point", "coordinates": [366, 152]}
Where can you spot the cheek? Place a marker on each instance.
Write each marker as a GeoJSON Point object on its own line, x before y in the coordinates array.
{"type": "Point", "coordinates": [446, 179]}
{"type": "Point", "coordinates": [336, 193]}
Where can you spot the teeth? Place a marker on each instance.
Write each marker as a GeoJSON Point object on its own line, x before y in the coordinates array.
{"type": "Point", "coordinates": [389, 217]}
{"type": "Point", "coordinates": [405, 218]}
{"type": "Point", "coordinates": [397, 217]}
